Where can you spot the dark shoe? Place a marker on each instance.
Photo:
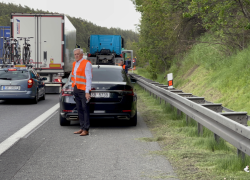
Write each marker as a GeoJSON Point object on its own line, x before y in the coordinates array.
{"type": "Point", "coordinates": [84, 133]}
{"type": "Point", "coordinates": [78, 132]}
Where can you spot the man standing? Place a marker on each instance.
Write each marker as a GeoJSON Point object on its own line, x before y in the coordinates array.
{"type": "Point", "coordinates": [124, 66]}
{"type": "Point", "coordinates": [81, 82]}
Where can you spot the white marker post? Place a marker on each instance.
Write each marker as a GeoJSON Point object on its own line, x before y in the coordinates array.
{"type": "Point", "coordinates": [170, 81]}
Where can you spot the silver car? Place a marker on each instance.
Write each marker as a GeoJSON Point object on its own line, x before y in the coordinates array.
{"type": "Point", "coordinates": [21, 83]}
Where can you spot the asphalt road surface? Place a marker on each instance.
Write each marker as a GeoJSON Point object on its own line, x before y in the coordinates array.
{"type": "Point", "coordinates": [15, 114]}
{"type": "Point", "coordinates": [112, 151]}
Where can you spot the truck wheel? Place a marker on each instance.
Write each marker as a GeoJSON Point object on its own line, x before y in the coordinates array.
{"type": "Point", "coordinates": [63, 121]}
{"type": "Point", "coordinates": [133, 120]}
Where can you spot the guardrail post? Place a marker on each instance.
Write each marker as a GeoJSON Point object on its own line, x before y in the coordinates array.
{"type": "Point", "coordinates": [216, 138]}
{"type": "Point", "coordinates": [241, 154]}
{"type": "Point", "coordinates": [200, 129]}
{"type": "Point", "coordinates": [187, 119]}
{"type": "Point", "coordinates": [178, 113]}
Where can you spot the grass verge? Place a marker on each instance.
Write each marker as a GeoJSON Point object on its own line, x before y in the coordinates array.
{"type": "Point", "coordinates": [191, 155]}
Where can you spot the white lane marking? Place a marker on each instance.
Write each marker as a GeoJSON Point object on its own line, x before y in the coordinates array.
{"type": "Point", "coordinates": [42, 123]}
{"type": "Point", "coordinates": [10, 141]}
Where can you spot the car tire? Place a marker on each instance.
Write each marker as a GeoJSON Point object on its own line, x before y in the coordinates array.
{"type": "Point", "coordinates": [63, 121]}
{"type": "Point", "coordinates": [35, 100]}
{"type": "Point", "coordinates": [43, 97]}
{"type": "Point", "coordinates": [133, 120]}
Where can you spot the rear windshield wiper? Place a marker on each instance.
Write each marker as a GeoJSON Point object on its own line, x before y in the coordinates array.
{"type": "Point", "coordinates": [6, 78]}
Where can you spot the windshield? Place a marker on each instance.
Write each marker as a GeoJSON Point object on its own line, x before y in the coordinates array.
{"type": "Point", "coordinates": [13, 75]}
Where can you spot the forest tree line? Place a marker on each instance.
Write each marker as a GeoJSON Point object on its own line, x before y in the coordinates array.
{"type": "Point", "coordinates": [83, 27]}
{"type": "Point", "coordinates": [169, 28]}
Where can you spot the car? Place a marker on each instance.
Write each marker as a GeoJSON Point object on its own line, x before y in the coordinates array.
{"type": "Point", "coordinates": [21, 83]}
{"type": "Point", "coordinates": [112, 97]}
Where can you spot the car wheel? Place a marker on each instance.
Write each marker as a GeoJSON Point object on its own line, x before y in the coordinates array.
{"type": "Point", "coordinates": [133, 120]}
{"type": "Point", "coordinates": [43, 97]}
{"type": "Point", "coordinates": [63, 121]}
{"type": "Point", "coordinates": [35, 100]}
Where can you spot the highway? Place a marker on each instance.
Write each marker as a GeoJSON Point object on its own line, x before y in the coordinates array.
{"type": "Point", "coordinates": [113, 150]}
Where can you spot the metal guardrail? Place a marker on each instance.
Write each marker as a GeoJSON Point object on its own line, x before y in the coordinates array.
{"type": "Point", "coordinates": [223, 122]}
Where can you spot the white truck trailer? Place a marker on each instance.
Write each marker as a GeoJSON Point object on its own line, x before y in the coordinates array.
{"type": "Point", "coordinates": [52, 43]}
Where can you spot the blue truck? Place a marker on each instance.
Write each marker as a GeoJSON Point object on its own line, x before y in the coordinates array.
{"type": "Point", "coordinates": [105, 49]}
{"type": "Point", "coordinates": [4, 32]}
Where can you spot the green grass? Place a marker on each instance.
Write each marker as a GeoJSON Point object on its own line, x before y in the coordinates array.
{"type": "Point", "coordinates": [193, 156]}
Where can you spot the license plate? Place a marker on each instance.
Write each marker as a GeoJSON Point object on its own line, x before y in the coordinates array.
{"type": "Point", "coordinates": [10, 87]}
{"type": "Point", "coordinates": [100, 94]}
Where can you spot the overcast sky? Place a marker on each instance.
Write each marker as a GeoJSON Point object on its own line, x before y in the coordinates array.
{"type": "Point", "coordinates": [106, 13]}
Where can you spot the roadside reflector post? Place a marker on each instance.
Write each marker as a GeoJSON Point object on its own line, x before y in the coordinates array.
{"type": "Point", "coordinates": [170, 81]}
{"type": "Point", "coordinates": [216, 138]}
{"type": "Point", "coordinates": [241, 154]}
{"type": "Point", "coordinates": [200, 129]}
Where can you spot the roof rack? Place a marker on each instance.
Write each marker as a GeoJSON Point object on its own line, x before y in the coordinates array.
{"type": "Point", "coordinates": [6, 65]}
{"type": "Point", "coordinates": [18, 66]}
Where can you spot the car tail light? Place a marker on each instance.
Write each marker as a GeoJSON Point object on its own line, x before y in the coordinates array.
{"type": "Point", "coordinates": [89, 54]}
{"type": "Point", "coordinates": [67, 92]}
{"type": "Point", "coordinates": [128, 92]}
{"type": "Point", "coordinates": [11, 69]}
{"type": "Point", "coordinates": [30, 83]}
{"type": "Point", "coordinates": [67, 110]}
{"type": "Point", "coordinates": [126, 110]}
{"type": "Point", "coordinates": [121, 55]}
{"type": "Point", "coordinates": [57, 80]}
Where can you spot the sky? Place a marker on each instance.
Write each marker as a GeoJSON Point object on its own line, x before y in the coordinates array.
{"type": "Point", "coordinates": [105, 13]}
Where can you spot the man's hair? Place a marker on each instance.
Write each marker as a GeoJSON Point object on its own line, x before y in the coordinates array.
{"type": "Point", "coordinates": [81, 51]}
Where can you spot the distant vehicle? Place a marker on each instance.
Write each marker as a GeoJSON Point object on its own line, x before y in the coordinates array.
{"type": "Point", "coordinates": [112, 96]}
{"type": "Point", "coordinates": [105, 49]}
{"type": "Point", "coordinates": [128, 63]}
{"type": "Point", "coordinates": [21, 83]}
{"type": "Point", "coordinates": [4, 33]}
{"type": "Point", "coordinates": [53, 39]}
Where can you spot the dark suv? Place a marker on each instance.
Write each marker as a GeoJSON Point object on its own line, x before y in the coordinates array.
{"type": "Point", "coordinates": [21, 83]}
{"type": "Point", "coordinates": [112, 97]}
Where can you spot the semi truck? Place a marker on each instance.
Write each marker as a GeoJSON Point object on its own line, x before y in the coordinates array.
{"type": "Point", "coordinates": [52, 39]}
{"type": "Point", "coordinates": [4, 33]}
{"type": "Point", "coordinates": [105, 49]}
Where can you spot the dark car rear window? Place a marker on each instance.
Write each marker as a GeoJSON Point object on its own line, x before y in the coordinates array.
{"type": "Point", "coordinates": [13, 75]}
{"type": "Point", "coordinates": [108, 74]}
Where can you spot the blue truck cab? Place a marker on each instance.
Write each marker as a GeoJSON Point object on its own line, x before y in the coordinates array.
{"type": "Point", "coordinates": [105, 45]}
{"type": "Point", "coordinates": [105, 49]}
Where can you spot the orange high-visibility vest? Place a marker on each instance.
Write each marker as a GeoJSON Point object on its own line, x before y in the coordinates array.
{"type": "Point", "coordinates": [123, 66]}
{"type": "Point", "coordinates": [79, 79]}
